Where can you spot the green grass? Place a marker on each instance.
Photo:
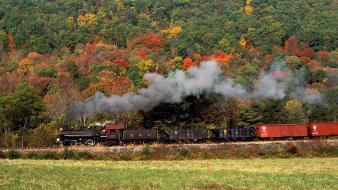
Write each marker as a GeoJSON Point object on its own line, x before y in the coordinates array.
{"type": "Point", "coordinates": [317, 173]}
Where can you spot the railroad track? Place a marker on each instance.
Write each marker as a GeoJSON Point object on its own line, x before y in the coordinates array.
{"type": "Point", "coordinates": [197, 145]}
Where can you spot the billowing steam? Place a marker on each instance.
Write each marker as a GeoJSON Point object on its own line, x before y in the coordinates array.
{"type": "Point", "coordinates": [208, 78]}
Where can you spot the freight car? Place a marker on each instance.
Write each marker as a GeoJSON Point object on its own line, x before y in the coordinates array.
{"type": "Point", "coordinates": [234, 134]}
{"type": "Point", "coordinates": [264, 131]}
{"type": "Point", "coordinates": [185, 135]}
{"type": "Point", "coordinates": [118, 134]}
{"type": "Point", "coordinates": [323, 129]}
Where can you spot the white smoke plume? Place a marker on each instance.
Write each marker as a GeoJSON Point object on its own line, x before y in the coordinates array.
{"type": "Point", "coordinates": [196, 81]}
{"type": "Point", "coordinates": [280, 82]}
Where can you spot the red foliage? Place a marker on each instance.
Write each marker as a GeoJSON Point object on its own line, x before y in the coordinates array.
{"type": "Point", "coordinates": [268, 58]}
{"type": "Point", "coordinates": [142, 53]}
{"type": "Point", "coordinates": [323, 55]}
{"type": "Point", "coordinates": [40, 83]}
{"type": "Point", "coordinates": [121, 62]}
{"type": "Point", "coordinates": [291, 46]}
{"type": "Point", "coordinates": [307, 52]}
{"type": "Point", "coordinates": [197, 57]}
{"type": "Point", "coordinates": [152, 41]}
{"type": "Point", "coordinates": [313, 64]}
{"type": "Point", "coordinates": [187, 63]}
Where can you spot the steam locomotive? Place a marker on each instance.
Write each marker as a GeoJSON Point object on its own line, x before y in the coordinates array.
{"type": "Point", "coordinates": [114, 134]}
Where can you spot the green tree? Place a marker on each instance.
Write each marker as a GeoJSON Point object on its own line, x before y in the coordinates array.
{"type": "Point", "coordinates": [26, 108]}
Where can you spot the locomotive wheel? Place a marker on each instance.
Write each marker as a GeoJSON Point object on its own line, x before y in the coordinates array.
{"type": "Point", "coordinates": [90, 142]}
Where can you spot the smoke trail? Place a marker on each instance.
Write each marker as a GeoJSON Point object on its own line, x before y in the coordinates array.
{"type": "Point", "coordinates": [197, 81]}
{"type": "Point", "coordinates": [171, 89]}
{"type": "Point", "coordinates": [280, 82]}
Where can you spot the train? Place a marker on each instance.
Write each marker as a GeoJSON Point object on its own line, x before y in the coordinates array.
{"type": "Point", "coordinates": [117, 134]}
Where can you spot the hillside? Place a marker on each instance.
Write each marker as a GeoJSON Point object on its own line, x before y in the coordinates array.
{"type": "Point", "coordinates": [57, 53]}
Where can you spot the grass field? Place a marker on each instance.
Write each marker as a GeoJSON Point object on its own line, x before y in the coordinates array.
{"type": "Point", "coordinates": [317, 173]}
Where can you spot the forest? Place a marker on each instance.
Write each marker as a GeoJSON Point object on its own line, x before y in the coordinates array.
{"type": "Point", "coordinates": [54, 54]}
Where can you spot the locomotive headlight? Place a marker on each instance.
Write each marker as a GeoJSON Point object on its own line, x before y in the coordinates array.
{"type": "Point", "coordinates": [263, 127]}
{"type": "Point", "coordinates": [314, 127]}
{"type": "Point", "coordinates": [57, 140]}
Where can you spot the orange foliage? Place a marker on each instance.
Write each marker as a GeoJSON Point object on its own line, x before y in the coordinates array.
{"type": "Point", "coordinates": [220, 57]}
{"type": "Point", "coordinates": [323, 55]}
{"type": "Point", "coordinates": [313, 64]}
{"type": "Point", "coordinates": [305, 59]}
{"type": "Point", "coordinates": [109, 84]}
{"type": "Point", "coordinates": [187, 63]}
{"type": "Point", "coordinates": [121, 62]}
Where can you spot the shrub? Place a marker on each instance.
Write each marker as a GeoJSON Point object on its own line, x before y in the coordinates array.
{"type": "Point", "coordinates": [146, 152]}
{"type": "Point", "coordinates": [84, 155]}
{"type": "Point", "coordinates": [68, 154]}
{"type": "Point", "coordinates": [292, 149]}
{"type": "Point", "coordinates": [2, 154]}
{"type": "Point", "coordinates": [49, 156]}
{"type": "Point", "coordinates": [13, 154]}
{"type": "Point", "coordinates": [9, 140]}
{"type": "Point", "coordinates": [183, 152]}
{"type": "Point", "coordinates": [44, 135]}
{"type": "Point", "coordinates": [33, 155]}
{"type": "Point", "coordinates": [332, 150]}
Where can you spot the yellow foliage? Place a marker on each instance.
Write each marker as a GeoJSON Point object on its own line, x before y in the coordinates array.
{"type": "Point", "coordinates": [175, 63]}
{"type": "Point", "coordinates": [24, 65]}
{"type": "Point", "coordinates": [119, 5]}
{"type": "Point", "coordinates": [146, 65]}
{"type": "Point", "coordinates": [70, 21]}
{"type": "Point", "coordinates": [86, 19]}
{"type": "Point", "coordinates": [248, 9]}
{"type": "Point", "coordinates": [242, 42]}
{"type": "Point", "coordinates": [293, 105]}
{"type": "Point", "coordinates": [172, 31]}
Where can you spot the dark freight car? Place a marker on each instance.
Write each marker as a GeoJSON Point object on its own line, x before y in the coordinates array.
{"type": "Point", "coordinates": [281, 130]}
{"type": "Point", "coordinates": [145, 135]}
{"type": "Point", "coordinates": [323, 129]}
{"type": "Point", "coordinates": [76, 137]}
{"type": "Point", "coordinates": [186, 134]}
{"type": "Point", "coordinates": [234, 134]}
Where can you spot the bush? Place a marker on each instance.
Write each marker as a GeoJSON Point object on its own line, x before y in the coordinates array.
{"type": "Point", "coordinates": [183, 152]}
{"type": "Point", "coordinates": [44, 135]}
{"type": "Point", "coordinates": [33, 155]}
{"type": "Point", "coordinates": [2, 154]}
{"type": "Point", "coordinates": [49, 156]}
{"type": "Point", "coordinates": [68, 154]}
{"type": "Point", "coordinates": [84, 155]}
{"type": "Point", "coordinates": [331, 150]}
{"type": "Point", "coordinates": [146, 152]}
{"type": "Point", "coordinates": [9, 140]}
{"type": "Point", "coordinates": [13, 154]}
{"type": "Point", "coordinates": [292, 149]}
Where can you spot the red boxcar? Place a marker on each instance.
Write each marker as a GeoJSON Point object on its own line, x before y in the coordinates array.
{"type": "Point", "coordinates": [281, 130]}
{"type": "Point", "coordinates": [323, 129]}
